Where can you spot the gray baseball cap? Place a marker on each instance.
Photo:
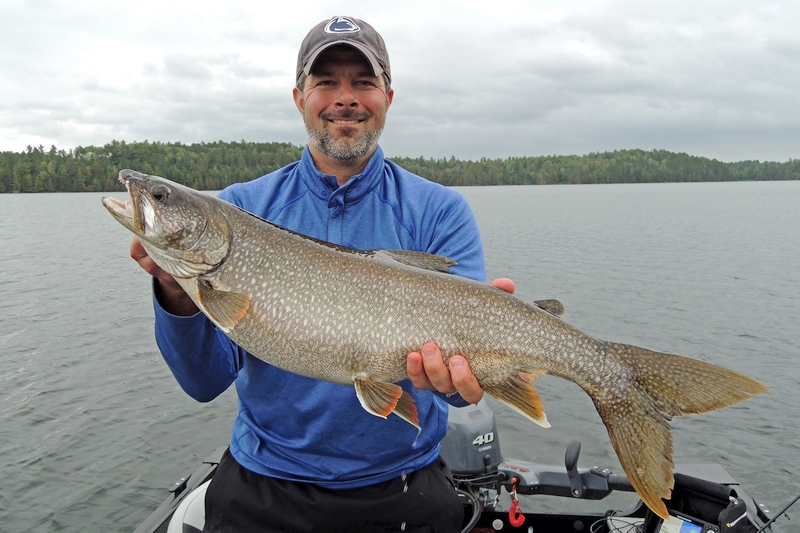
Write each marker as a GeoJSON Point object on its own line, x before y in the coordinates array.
{"type": "Point", "coordinates": [344, 30]}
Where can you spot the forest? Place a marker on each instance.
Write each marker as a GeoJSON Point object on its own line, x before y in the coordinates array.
{"type": "Point", "coordinates": [215, 165]}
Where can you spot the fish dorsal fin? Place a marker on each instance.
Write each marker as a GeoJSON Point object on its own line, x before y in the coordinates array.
{"type": "Point", "coordinates": [381, 399]}
{"type": "Point", "coordinates": [517, 391]}
{"type": "Point", "coordinates": [224, 308]}
{"type": "Point", "coordinates": [554, 307]}
{"type": "Point", "coordinates": [435, 263]}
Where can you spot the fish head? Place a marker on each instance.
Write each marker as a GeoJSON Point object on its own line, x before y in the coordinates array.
{"type": "Point", "coordinates": [180, 228]}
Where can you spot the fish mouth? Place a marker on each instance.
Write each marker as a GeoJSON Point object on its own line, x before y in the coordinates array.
{"type": "Point", "coordinates": [130, 213]}
{"type": "Point", "coordinates": [120, 210]}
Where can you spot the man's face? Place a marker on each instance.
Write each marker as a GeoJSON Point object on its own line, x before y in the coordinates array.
{"type": "Point", "coordinates": [343, 104]}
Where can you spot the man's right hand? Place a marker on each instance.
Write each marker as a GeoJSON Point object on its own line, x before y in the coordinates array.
{"type": "Point", "coordinates": [169, 293]}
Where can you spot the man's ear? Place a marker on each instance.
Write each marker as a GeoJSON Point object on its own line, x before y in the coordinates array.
{"type": "Point", "coordinates": [298, 99]}
{"type": "Point", "coordinates": [389, 98]}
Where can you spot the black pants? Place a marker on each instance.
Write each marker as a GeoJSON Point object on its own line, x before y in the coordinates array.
{"type": "Point", "coordinates": [239, 500]}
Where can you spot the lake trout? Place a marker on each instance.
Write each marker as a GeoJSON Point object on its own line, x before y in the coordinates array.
{"type": "Point", "coordinates": [352, 317]}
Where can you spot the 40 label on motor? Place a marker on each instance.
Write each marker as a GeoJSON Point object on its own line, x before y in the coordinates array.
{"type": "Point", "coordinates": [486, 438]}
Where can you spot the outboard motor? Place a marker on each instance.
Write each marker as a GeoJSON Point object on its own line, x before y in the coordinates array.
{"type": "Point", "coordinates": [471, 447]}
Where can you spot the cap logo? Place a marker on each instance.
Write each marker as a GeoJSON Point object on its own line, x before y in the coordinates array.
{"type": "Point", "coordinates": [342, 25]}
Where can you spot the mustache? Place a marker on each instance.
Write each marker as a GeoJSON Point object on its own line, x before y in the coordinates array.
{"type": "Point", "coordinates": [345, 115]}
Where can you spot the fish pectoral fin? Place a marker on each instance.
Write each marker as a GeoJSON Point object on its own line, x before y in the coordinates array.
{"type": "Point", "coordinates": [554, 307]}
{"type": "Point", "coordinates": [224, 308]}
{"type": "Point", "coordinates": [517, 391]}
{"type": "Point", "coordinates": [381, 399]}
{"type": "Point", "coordinates": [435, 263]}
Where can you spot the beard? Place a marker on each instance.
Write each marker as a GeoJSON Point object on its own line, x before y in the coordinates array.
{"type": "Point", "coordinates": [349, 146]}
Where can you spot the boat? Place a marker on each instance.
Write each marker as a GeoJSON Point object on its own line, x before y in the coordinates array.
{"type": "Point", "coordinates": [705, 498]}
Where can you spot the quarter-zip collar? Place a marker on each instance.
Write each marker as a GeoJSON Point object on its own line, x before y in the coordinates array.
{"type": "Point", "coordinates": [327, 188]}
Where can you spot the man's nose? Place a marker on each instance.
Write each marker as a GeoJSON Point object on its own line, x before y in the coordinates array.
{"type": "Point", "coordinates": [346, 96]}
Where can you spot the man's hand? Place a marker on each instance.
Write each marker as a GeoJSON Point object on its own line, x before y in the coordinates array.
{"type": "Point", "coordinates": [170, 295]}
{"type": "Point", "coordinates": [427, 370]}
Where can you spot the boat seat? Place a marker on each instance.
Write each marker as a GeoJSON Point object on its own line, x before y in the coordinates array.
{"type": "Point", "coordinates": [190, 515]}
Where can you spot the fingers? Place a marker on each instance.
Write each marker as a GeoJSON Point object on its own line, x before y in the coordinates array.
{"type": "Point", "coordinates": [137, 250]}
{"type": "Point", "coordinates": [168, 292]}
{"type": "Point", "coordinates": [416, 372]}
{"type": "Point", "coordinates": [437, 372]}
{"type": "Point", "coordinates": [139, 254]}
{"type": "Point", "coordinates": [427, 371]}
{"type": "Point", "coordinates": [464, 380]}
{"type": "Point", "coordinates": [504, 284]}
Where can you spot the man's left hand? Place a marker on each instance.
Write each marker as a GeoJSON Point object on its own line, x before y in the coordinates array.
{"type": "Point", "coordinates": [427, 369]}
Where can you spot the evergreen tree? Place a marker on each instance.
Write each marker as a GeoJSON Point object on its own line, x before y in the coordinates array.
{"type": "Point", "coordinates": [218, 164]}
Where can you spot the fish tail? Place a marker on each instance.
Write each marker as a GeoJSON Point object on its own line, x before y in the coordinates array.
{"type": "Point", "coordinates": [637, 412]}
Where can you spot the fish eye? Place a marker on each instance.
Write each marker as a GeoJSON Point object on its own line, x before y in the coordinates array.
{"type": "Point", "coordinates": [160, 192]}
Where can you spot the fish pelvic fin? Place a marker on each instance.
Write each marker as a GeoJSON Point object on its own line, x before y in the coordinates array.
{"type": "Point", "coordinates": [517, 391]}
{"type": "Point", "coordinates": [637, 413]}
{"type": "Point", "coordinates": [381, 399]}
{"type": "Point", "coordinates": [225, 309]}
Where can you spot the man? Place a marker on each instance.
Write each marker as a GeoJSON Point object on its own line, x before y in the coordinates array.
{"type": "Point", "coordinates": [304, 455]}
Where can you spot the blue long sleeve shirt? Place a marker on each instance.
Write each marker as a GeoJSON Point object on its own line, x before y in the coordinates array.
{"type": "Point", "coordinates": [301, 429]}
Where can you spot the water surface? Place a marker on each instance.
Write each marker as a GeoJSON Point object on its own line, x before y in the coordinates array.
{"type": "Point", "coordinates": [93, 428]}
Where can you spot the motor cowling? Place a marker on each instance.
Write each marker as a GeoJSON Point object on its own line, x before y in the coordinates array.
{"type": "Point", "coordinates": [471, 446]}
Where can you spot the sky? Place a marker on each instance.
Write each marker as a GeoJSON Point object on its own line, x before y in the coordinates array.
{"type": "Point", "coordinates": [489, 79]}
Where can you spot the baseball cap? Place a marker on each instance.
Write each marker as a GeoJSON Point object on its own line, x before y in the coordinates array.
{"type": "Point", "coordinates": [344, 30]}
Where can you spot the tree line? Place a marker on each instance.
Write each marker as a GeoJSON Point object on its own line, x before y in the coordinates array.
{"type": "Point", "coordinates": [213, 166]}
{"type": "Point", "coordinates": [208, 166]}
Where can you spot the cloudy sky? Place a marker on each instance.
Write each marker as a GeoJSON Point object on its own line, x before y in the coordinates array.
{"type": "Point", "coordinates": [494, 78]}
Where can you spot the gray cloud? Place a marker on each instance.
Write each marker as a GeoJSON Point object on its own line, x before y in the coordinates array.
{"type": "Point", "coordinates": [712, 79]}
{"type": "Point", "coordinates": [186, 67]}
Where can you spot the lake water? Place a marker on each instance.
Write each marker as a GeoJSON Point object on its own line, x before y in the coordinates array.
{"type": "Point", "coordinates": [93, 428]}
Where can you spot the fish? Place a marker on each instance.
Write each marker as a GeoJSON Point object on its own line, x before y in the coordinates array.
{"type": "Point", "coordinates": [349, 316]}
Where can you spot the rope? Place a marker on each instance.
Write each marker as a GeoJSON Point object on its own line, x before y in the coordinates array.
{"type": "Point", "coordinates": [515, 516]}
